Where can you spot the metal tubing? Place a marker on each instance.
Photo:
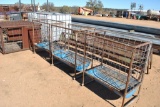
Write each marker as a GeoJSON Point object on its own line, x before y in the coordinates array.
{"type": "Point", "coordinates": [151, 58]}
{"type": "Point", "coordinates": [149, 49]}
{"type": "Point", "coordinates": [84, 60]}
{"type": "Point", "coordinates": [131, 101]}
{"type": "Point", "coordinates": [103, 49]}
{"type": "Point", "coordinates": [92, 53]}
{"type": "Point", "coordinates": [75, 57]}
{"type": "Point", "coordinates": [33, 39]}
{"type": "Point", "coordinates": [129, 74]}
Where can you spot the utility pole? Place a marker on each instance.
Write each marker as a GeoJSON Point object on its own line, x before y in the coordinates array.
{"type": "Point", "coordinates": [34, 5]}
{"type": "Point", "coordinates": [19, 5]}
{"type": "Point", "coordinates": [47, 6]}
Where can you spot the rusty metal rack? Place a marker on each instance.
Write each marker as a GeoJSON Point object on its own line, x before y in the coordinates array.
{"type": "Point", "coordinates": [124, 40]}
{"type": "Point", "coordinates": [42, 41]}
{"type": "Point", "coordinates": [14, 36]}
{"type": "Point", "coordinates": [100, 33]}
{"type": "Point", "coordinates": [119, 65]}
{"type": "Point", "coordinates": [61, 47]}
{"type": "Point", "coordinates": [55, 37]}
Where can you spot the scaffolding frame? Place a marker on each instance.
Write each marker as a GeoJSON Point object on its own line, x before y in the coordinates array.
{"type": "Point", "coordinates": [121, 64]}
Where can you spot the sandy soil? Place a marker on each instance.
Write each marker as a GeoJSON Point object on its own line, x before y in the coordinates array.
{"type": "Point", "coordinates": [28, 80]}
{"type": "Point", "coordinates": [147, 23]}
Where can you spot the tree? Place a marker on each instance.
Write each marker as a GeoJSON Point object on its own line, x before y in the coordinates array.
{"type": "Point", "coordinates": [74, 9]}
{"type": "Point", "coordinates": [95, 5]}
{"type": "Point", "coordinates": [140, 7]}
{"type": "Point", "coordinates": [50, 6]}
{"type": "Point", "coordinates": [133, 6]}
{"type": "Point", "coordinates": [65, 9]}
{"type": "Point", "coordinates": [99, 6]}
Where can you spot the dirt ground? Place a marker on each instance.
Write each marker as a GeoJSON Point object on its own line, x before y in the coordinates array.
{"type": "Point", "coordinates": [28, 80]}
{"type": "Point", "coordinates": [147, 23]}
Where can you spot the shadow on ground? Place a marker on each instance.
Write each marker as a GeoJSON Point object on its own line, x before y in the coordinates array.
{"type": "Point", "coordinates": [94, 86]}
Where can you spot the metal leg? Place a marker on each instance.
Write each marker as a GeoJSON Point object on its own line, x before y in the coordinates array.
{"type": "Point", "coordinates": [135, 97]}
{"type": "Point", "coordinates": [34, 50]}
{"type": "Point", "coordinates": [51, 59]}
{"type": "Point", "coordinates": [131, 101]}
{"type": "Point", "coordinates": [150, 62]}
{"type": "Point", "coordinates": [82, 79]}
{"type": "Point", "coordinates": [75, 74]}
{"type": "Point", "coordinates": [123, 101]}
{"type": "Point", "coordinates": [151, 59]}
{"type": "Point", "coordinates": [139, 89]}
{"type": "Point", "coordinates": [148, 67]}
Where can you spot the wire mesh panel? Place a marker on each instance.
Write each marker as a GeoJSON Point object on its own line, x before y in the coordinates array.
{"type": "Point", "coordinates": [121, 63]}
{"type": "Point", "coordinates": [118, 37]}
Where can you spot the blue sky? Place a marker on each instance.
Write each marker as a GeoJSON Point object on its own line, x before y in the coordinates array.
{"type": "Point", "coordinates": [148, 4]}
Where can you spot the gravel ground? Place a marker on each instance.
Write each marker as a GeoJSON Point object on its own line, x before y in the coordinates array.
{"type": "Point", "coordinates": [28, 80]}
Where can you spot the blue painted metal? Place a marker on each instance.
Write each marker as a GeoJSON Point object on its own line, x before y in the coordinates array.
{"type": "Point", "coordinates": [131, 93]}
{"type": "Point", "coordinates": [44, 45]}
{"type": "Point", "coordinates": [66, 55]}
{"type": "Point", "coordinates": [109, 77]}
{"type": "Point", "coordinates": [69, 56]}
{"type": "Point", "coordinates": [60, 53]}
